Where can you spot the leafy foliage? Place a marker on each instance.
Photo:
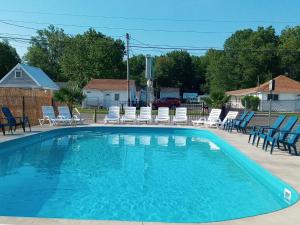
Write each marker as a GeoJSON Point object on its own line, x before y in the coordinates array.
{"type": "Point", "coordinates": [289, 51]}
{"type": "Point", "coordinates": [46, 51]}
{"type": "Point", "coordinates": [216, 99]}
{"type": "Point", "coordinates": [177, 69]}
{"type": "Point", "coordinates": [93, 55]}
{"type": "Point", "coordinates": [8, 58]}
{"type": "Point", "coordinates": [247, 56]}
{"type": "Point", "coordinates": [137, 66]}
{"type": "Point", "coordinates": [71, 94]}
{"type": "Point", "coordinates": [251, 102]}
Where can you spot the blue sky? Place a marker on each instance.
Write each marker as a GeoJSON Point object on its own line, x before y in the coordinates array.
{"type": "Point", "coordinates": [202, 23]}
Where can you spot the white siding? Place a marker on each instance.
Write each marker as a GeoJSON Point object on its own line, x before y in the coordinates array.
{"type": "Point", "coordinates": [98, 98]}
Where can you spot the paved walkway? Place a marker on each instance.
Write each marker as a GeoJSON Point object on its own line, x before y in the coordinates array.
{"type": "Point", "coordinates": [281, 164]}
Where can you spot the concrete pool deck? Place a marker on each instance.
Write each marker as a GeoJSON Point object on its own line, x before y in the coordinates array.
{"type": "Point", "coordinates": [281, 164]}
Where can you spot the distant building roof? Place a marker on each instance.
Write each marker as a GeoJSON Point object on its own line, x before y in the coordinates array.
{"type": "Point", "coordinates": [283, 84]}
{"type": "Point", "coordinates": [109, 84]}
{"type": "Point", "coordinates": [169, 89]}
{"type": "Point", "coordinates": [37, 75]}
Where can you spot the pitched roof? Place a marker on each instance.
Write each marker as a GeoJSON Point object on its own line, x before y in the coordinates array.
{"type": "Point", "coordinates": [39, 77]}
{"type": "Point", "coordinates": [283, 84]}
{"type": "Point", "coordinates": [109, 84]}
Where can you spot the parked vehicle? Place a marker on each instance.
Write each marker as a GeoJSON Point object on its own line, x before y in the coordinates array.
{"type": "Point", "coordinates": [172, 103]}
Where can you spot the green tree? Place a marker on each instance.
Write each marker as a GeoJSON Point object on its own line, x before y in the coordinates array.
{"type": "Point", "coordinates": [200, 67]}
{"type": "Point", "coordinates": [8, 58]}
{"type": "Point", "coordinates": [218, 71]}
{"type": "Point", "coordinates": [247, 56]}
{"type": "Point", "coordinates": [137, 66]}
{"type": "Point", "coordinates": [175, 69]}
{"type": "Point", "coordinates": [289, 51]}
{"type": "Point", "coordinates": [93, 55]}
{"type": "Point", "coordinates": [252, 54]}
{"type": "Point", "coordinates": [46, 50]}
{"type": "Point", "coordinates": [216, 99]}
{"type": "Point", "coordinates": [71, 94]}
{"type": "Point", "coordinates": [251, 102]}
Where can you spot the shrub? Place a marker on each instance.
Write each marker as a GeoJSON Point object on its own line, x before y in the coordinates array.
{"type": "Point", "coordinates": [251, 102]}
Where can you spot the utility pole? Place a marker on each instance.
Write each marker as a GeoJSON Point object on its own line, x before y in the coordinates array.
{"type": "Point", "coordinates": [128, 74]}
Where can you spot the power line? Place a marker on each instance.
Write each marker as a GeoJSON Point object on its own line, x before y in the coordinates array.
{"type": "Point", "coordinates": [152, 18]}
{"type": "Point", "coordinates": [6, 21]}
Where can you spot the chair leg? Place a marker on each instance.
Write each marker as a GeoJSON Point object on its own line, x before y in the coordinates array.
{"type": "Point", "coordinates": [266, 145]}
{"type": "Point", "coordinates": [272, 146]}
{"type": "Point", "coordinates": [258, 139]}
{"type": "Point", "coordinates": [295, 149]}
{"type": "Point", "coordinates": [250, 135]}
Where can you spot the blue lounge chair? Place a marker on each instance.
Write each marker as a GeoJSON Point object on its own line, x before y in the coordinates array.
{"type": "Point", "coordinates": [2, 126]}
{"type": "Point", "coordinates": [259, 131]}
{"type": "Point", "coordinates": [279, 134]}
{"type": "Point", "coordinates": [290, 142]}
{"type": "Point", "coordinates": [242, 127]}
{"type": "Point", "coordinates": [13, 122]}
{"type": "Point", "coordinates": [235, 122]}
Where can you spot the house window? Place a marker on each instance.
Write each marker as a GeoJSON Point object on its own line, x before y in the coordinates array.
{"type": "Point", "coordinates": [18, 74]}
{"type": "Point", "coordinates": [274, 97]}
{"type": "Point", "coordinates": [117, 97]}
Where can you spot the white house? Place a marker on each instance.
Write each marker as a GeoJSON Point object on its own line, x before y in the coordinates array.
{"type": "Point", "coordinates": [167, 92]}
{"type": "Point", "coordinates": [285, 97]}
{"type": "Point", "coordinates": [108, 92]}
{"type": "Point", "coordinates": [28, 77]}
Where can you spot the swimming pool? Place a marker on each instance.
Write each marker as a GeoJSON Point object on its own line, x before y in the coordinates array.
{"type": "Point", "coordinates": [134, 174]}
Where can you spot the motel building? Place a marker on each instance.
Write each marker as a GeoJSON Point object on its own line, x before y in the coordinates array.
{"type": "Point", "coordinates": [285, 97]}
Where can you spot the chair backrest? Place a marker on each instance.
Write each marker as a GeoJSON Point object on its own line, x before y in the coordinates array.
{"type": "Point", "coordinates": [114, 111]}
{"type": "Point", "coordinates": [293, 138]}
{"type": "Point", "coordinates": [64, 112]}
{"type": "Point", "coordinates": [130, 112]}
{"type": "Point", "coordinates": [181, 112]}
{"type": "Point", "coordinates": [163, 113]}
{"type": "Point", "coordinates": [7, 113]}
{"type": "Point", "coordinates": [214, 114]}
{"type": "Point", "coordinates": [231, 115]}
{"type": "Point", "coordinates": [48, 111]}
{"type": "Point", "coordinates": [276, 125]}
{"type": "Point", "coordinates": [287, 127]}
{"type": "Point", "coordinates": [145, 112]}
{"type": "Point", "coordinates": [290, 123]}
{"type": "Point", "coordinates": [247, 119]}
{"type": "Point", "coordinates": [242, 118]}
{"type": "Point", "coordinates": [9, 116]}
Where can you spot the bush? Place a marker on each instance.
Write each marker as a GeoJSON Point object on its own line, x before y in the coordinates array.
{"type": "Point", "coordinates": [216, 99]}
{"type": "Point", "coordinates": [251, 102]}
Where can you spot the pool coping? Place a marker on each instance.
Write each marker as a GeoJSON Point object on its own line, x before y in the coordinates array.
{"type": "Point", "coordinates": [281, 165]}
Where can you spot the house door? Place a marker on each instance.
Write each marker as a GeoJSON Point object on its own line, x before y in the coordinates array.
{"type": "Point", "coordinates": [107, 100]}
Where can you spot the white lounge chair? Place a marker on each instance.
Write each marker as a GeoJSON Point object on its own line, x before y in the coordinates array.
{"type": "Point", "coordinates": [213, 118]}
{"type": "Point", "coordinates": [163, 140]}
{"type": "Point", "coordinates": [130, 115]}
{"type": "Point", "coordinates": [180, 141]}
{"type": "Point", "coordinates": [49, 115]}
{"type": "Point", "coordinates": [231, 115]}
{"type": "Point", "coordinates": [145, 115]}
{"type": "Point", "coordinates": [180, 115]}
{"type": "Point", "coordinates": [113, 115]}
{"type": "Point", "coordinates": [64, 113]}
{"type": "Point", "coordinates": [163, 115]}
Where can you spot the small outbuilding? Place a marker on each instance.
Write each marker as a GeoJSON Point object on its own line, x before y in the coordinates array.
{"type": "Point", "coordinates": [285, 97]}
{"type": "Point", "coordinates": [108, 92]}
{"type": "Point", "coordinates": [27, 77]}
{"type": "Point", "coordinates": [169, 92]}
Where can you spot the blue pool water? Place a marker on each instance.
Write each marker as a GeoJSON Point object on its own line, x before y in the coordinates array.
{"type": "Point", "coordinates": [134, 174]}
